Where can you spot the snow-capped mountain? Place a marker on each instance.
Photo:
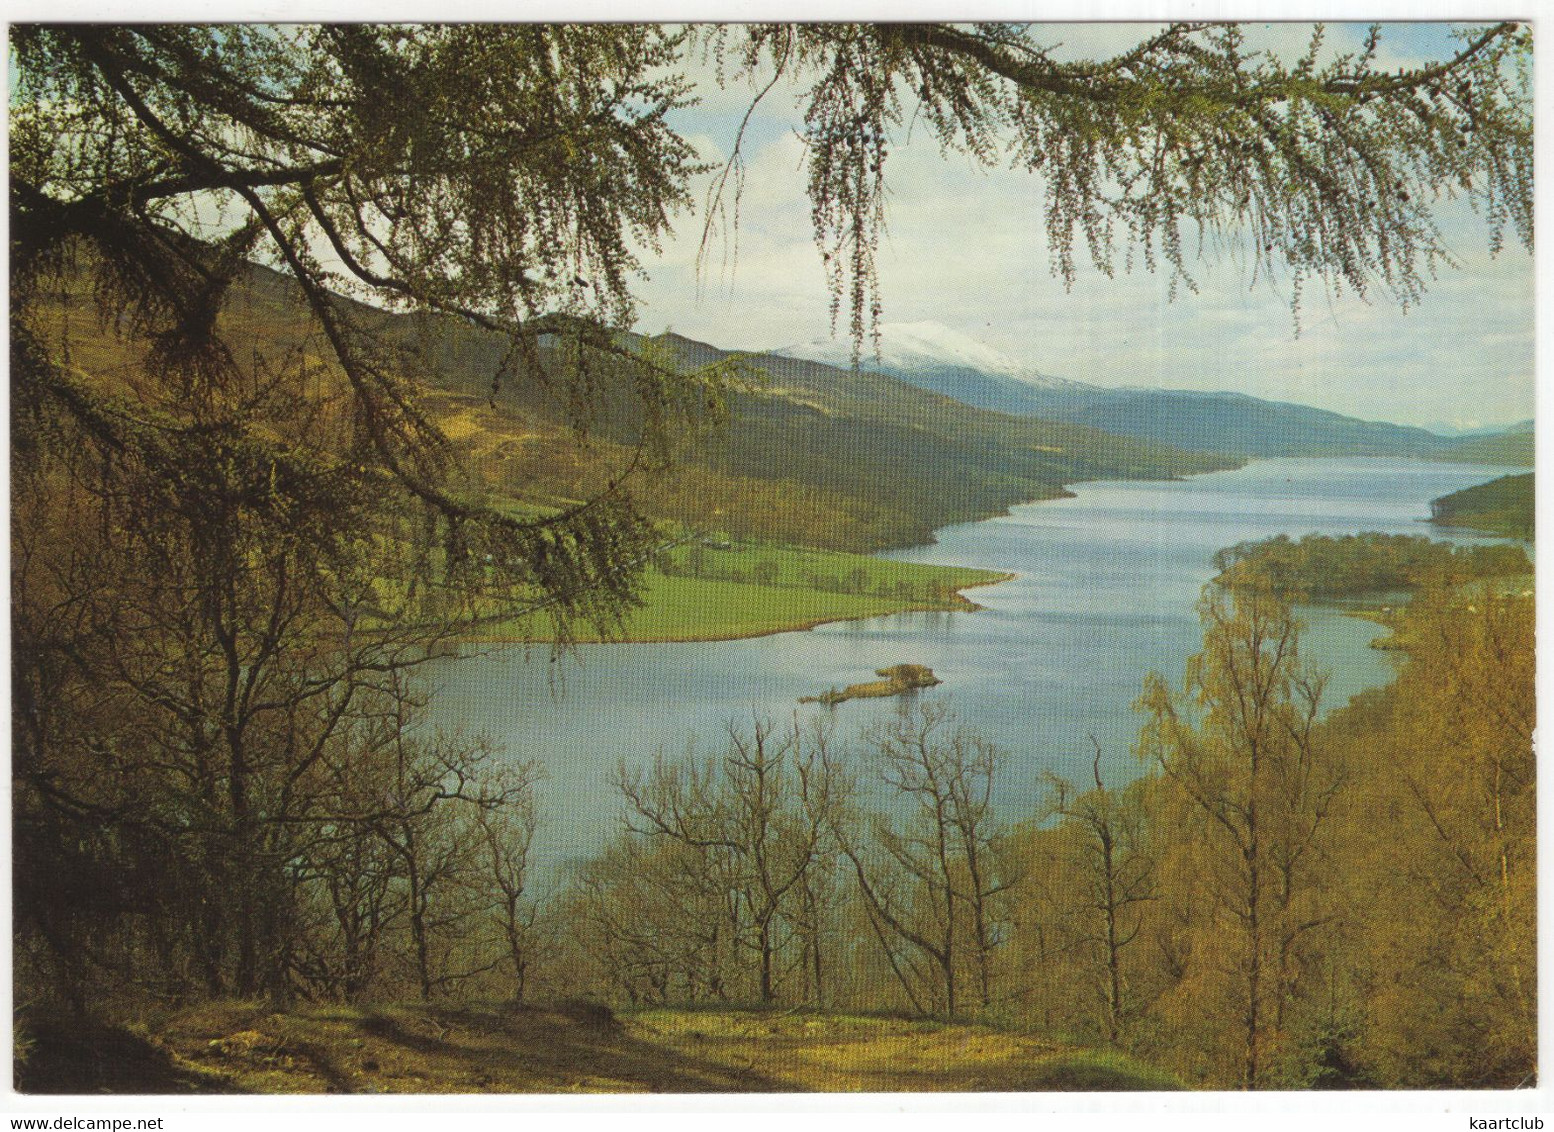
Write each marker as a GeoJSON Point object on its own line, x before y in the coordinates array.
{"type": "Point", "coordinates": [1465, 428]}
{"type": "Point", "coordinates": [926, 347]}
{"type": "Point", "coordinates": [946, 361]}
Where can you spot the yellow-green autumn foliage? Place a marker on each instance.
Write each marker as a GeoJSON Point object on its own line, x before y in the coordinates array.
{"type": "Point", "coordinates": [1355, 910]}
{"type": "Point", "coordinates": [1439, 850]}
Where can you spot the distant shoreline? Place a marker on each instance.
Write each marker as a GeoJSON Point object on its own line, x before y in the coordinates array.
{"type": "Point", "coordinates": [800, 624]}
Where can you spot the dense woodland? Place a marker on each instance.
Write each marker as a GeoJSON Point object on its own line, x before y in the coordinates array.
{"type": "Point", "coordinates": [1503, 507]}
{"type": "Point", "coordinates": [241, 528]}
{"type": "Point", "coordinates": [1322, 566]}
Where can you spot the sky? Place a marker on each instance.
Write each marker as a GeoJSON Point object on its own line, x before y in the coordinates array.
{"type": "Point", "coordinates": [965, 247]}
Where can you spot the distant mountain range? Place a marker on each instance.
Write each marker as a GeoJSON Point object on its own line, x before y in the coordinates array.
{"type": "Point", "coordinates": [933, 349]}
{"type": "Point", "coordinates": [1234, 424]}
{"type": "Point", "coordinates": [1458, 429]}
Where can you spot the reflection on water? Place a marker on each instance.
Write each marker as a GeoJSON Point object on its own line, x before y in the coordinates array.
{"type": "Point", "coordinates": [1106, 588]}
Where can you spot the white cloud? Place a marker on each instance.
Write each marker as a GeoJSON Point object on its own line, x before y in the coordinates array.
{"type": "Point", "coordinates": [967, 247]}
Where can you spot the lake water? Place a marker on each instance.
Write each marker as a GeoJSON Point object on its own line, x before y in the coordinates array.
{"type": "Point", "coordinates": [1106, 587]}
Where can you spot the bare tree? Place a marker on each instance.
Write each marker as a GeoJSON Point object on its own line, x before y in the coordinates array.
{"type": "Point", "coordinates": [935, 873]}
{"type": "Point", "coordinates": [765, 812]}
{"type": "Point", "coordinates": [1117, 872]}
{"type": "Point", "coordinates": [654, 921]}
{"type": "Point", "coordinates": [506, 835]}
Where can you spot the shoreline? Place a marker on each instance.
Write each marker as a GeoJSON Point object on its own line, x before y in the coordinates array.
{"type": "Point", "coordinates": [803, 626]}
{"type": "Point", "coordinates": [1064, 491]}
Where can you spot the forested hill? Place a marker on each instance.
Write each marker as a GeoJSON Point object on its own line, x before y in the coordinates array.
{"type": "Point", "coordinates": [925, 456]}
{"type": "Point", "coordinates": [1512, 447]}
{"type": "Point", "coordinates": [823, 455]}
{"type": "Point", "coordinates": [1504, 507]}
{"type": "Point", "coordinates": [811, 454]}
{"type": "Point", "coordinates": [1230, 423]}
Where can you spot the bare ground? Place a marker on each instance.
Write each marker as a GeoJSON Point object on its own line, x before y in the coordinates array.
{"type": "Point", "coordinates": [566, 1048]}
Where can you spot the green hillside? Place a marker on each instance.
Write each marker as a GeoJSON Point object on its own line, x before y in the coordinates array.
{"type": "Point", "coordinates": [1503, 507]}
{"type": "Point", "coordinates": [708, 590]}
{"type": "Point", "coordinates": [810, 455]}
{"type": "Point", "coordinates": [807, 456]}
{"type": "Point", "coordinates": [922, 457]}
{"type": "Point", "coordinates": [1201, 421]}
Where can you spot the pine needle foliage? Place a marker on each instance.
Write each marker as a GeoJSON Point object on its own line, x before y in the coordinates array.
{"type": "Point", "coordinates": [1328, 170]}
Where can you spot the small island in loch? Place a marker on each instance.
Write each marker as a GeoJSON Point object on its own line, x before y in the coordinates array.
{"type": "Point", "coordinates": [898, 678]}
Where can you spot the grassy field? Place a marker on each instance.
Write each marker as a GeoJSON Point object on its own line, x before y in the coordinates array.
{"type": "Point", "coordinates": [569, 1048]}
{"type": "Point", "coordinates": [713, 591]}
